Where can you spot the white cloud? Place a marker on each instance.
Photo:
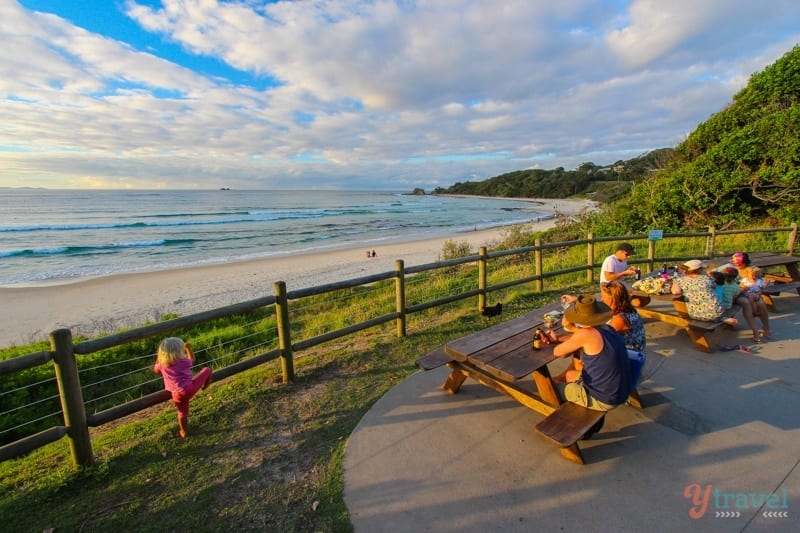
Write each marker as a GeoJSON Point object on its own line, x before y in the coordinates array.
{"type": "Point", "coordinates": [368, 89]}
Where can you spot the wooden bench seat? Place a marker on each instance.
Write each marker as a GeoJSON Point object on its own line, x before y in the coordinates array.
{"type": "Point", "coordinates": [696, 329]}
{"type": "Point", "coordinates": [568, 424]}
{"type": "Point", "coordinates": [434, 359]}
{"type": "Point", "coordinates": [775, 289]}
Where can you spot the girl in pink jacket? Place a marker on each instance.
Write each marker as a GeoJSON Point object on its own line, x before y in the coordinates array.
{"type": "Point", "coordinates": [174, 362]}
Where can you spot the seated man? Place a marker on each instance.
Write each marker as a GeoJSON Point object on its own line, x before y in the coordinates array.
{"type": "Point", "coordinates": [615, 266]}
{"type": "Point", "coordinates": [604, 381]}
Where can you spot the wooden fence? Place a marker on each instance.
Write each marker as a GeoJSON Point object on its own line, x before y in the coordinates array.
{"type": "Point", "coordinates": [63, 350]}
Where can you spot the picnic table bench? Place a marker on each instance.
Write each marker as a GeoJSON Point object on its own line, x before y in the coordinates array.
{"type": "Point", "coordinates": [677, 315]}
{"type": "Point", "coordinates": [501, 357]}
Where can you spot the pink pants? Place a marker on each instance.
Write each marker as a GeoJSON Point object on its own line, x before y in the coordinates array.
{"type": "Point", "coordinates": [181, 398]}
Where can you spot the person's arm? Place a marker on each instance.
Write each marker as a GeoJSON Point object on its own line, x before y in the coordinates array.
{"type": "Point", "coordinates": [609, 276]}
{"type": "Point", "coordinates": [189, 353]}
{"type": "Point", "coordinates": [570, 344]}
{"type": "Point", "coordinates": [676, 288]}
{"type": "Point", "coordinates": [619, 323]}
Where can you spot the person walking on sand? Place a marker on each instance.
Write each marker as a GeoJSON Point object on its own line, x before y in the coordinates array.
{"type": "Point", "coordinates": [174, 361]}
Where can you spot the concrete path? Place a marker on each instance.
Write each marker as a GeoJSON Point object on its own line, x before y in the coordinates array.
{"type": "Point", "coordinates": [716, 448]}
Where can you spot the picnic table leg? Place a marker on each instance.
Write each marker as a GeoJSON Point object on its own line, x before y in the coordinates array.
{"type": "Point", "coordinates": [455, 379]}
{"type": "Point", "coordinates": [573, 453]}
{"type": "Point", "coordinates": [544, 384]}
{"type": "Point", "coordinates": [769, 302]}
{"type": "Point", "coordinates": [699, 340]}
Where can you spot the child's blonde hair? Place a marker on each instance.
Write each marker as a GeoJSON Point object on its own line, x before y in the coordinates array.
{"type": "Point", "coordinates": [170, 351]}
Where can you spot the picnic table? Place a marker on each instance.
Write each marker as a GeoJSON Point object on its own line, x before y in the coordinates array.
{"type": "Point", "coordinates": [676, 314]}
{"type": "Point", "coordinates": [779, 282]}
{"type": "Point", "coordinates": [501, 357]}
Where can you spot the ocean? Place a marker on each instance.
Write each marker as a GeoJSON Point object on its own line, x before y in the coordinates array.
{"type": "Point", "coordinates": [63, 235]}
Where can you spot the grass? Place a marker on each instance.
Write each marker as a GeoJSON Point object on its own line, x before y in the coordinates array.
{"type": "Point", "coordinates": [261, 455]}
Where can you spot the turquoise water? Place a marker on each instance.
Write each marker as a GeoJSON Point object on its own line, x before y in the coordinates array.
{"type": "Point", "coordinates": [52, 235]}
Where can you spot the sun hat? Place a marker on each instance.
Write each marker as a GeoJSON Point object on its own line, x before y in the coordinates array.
{"type": "Point", "coordinates": [627, 248]}
{"type": "Point", "coordinates": [588, 311]}
{"type": "Point", "coordinates": [694, 264]}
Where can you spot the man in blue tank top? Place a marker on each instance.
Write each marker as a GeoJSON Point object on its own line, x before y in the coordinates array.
{"type": "Point", "coordinates": [604, 382]}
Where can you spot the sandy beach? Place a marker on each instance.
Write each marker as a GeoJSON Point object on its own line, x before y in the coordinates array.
{"type": "Point", "coordinates": [104, 304]}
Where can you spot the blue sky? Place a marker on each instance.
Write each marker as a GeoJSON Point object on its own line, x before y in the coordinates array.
{"type": "Point", "coordinates": [350, 94]}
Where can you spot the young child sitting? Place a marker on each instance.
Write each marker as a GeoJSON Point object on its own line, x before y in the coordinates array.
{"type": "Point", "coordinates": [174, 362]}
{"type": "Point", "coordinates": [725, 294]}
{"type": "Point", "coordinates": [754, 284]}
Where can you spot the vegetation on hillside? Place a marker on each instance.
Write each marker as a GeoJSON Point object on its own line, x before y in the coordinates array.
{"type": "Point", "coordinates": [739, 168]}
{"type": "Point", "coordinates": [603, 182]}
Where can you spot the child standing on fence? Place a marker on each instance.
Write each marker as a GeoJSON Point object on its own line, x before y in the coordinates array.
{"type": "Point", "coordinates": [174, 362]}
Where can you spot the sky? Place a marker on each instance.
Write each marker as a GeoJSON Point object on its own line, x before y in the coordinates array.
{"type": "Point", "coordinates": [352, 94]}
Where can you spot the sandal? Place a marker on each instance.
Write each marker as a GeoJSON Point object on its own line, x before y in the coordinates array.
{"type": "Point", "coordinates": [757, 338]}
{"type": "Point", "coordinates": [765, 334]}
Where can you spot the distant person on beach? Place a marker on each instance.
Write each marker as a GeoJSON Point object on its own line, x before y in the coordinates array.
{"type": "Point", "coordinates": [615, 266]}
{"type": "Point", "coordinates": [174, 362]}
{"type": "Point", "coordinates": [374, 253]}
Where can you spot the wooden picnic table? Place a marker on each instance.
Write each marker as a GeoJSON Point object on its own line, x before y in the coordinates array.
{"type": "Point", "coordinates": [789, 262]}
{"type": "Point", "coordinates": [678, 315]}
{"type": "Point", "coordinates": [501, 357]}
{"type": "Point", "coordinates": [778, 282]}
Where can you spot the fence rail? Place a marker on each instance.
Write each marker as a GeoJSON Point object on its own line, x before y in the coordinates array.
{"type": "Point", "coordinates": [63, 350]}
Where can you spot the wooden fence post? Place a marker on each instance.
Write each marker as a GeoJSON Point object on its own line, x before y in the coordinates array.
{"type": "Point", "coordinates": [590, 258]}
{"type": "Point", "coordinates": [792, 238]}
{"type": "Point", "coordinates": [482, 262]}
{"type": "Point", "coordinates": [69, 389]}
{"type": "Point", "coordinates": [651, 256]}
{"type": "Point", "coordinates": [710, 242]}
{"type": "Point", "coordinates": [400, 297]}
{"type": "Point", "coordinates": [537, 259]}
{"type": "Point", "coordinates": [284, 331]}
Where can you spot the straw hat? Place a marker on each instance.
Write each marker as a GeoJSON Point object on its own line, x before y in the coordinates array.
{"type": "Point", "coordinates": [588, 312]}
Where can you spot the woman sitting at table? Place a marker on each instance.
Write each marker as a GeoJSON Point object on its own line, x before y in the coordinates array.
{"type": "Point", "coordinates": [757, 307]}
{"type": "Point", "coordinates": [700, 293]}
{"type": "Point", "coordinates": [604, 382]}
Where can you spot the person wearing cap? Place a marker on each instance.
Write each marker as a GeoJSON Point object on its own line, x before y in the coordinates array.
{"type": "Point", "coordinates": [604, 382]}
{"type": "Point", "coordinates": [615, 266]}
{"type": "Point", "coordinates": [699, 291]}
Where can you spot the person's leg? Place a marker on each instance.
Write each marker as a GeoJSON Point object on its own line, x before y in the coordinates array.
{"type": "Point", "coordinates": [763, 314]}
{"type": "Point", "coordinates": [183, 426]}
{"type": "Point", "coordinates": [200, 381]}
{"type": "Point", "coordinates": [570, 373]}
{"type": "Point", "coordinates": [747, 313]}
{"type": "Point", "coordinates": [182, 405]}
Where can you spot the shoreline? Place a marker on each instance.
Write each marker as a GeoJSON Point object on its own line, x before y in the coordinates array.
{"type": "Point", "coordinates": [94, 306]}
